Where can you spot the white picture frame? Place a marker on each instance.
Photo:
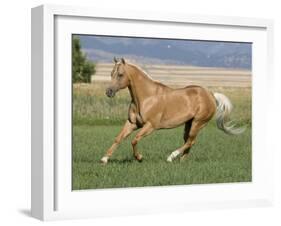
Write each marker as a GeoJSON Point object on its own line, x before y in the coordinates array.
{"type": "Point", "coordinates": [52, 197]}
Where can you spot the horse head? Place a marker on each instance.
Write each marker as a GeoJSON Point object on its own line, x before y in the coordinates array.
{"type": "Point", "coordinates": [119, 78]}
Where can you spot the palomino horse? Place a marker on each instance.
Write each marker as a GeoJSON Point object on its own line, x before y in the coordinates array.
{"type": "Point", "coordinates": [156, 106]}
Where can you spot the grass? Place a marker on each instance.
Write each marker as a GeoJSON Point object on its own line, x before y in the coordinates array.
{"type": "Point", "coordinates": [215, 158]}
{"type": "Point", "coordinates": [92, 107]}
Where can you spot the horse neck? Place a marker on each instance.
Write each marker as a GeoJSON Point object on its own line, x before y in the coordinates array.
{"type": "Point", "coordinates": [141, 86]}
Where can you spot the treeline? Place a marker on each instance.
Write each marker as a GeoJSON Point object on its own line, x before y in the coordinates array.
{"type": "Point", "coordinates": [82, 68]}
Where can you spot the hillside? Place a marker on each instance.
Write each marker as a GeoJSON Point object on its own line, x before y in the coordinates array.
{"type": "Point", "coordinates": [168, 51]}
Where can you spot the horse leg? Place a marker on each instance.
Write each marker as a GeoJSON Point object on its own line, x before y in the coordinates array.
{"type": "Point", "coordinates": [187, 128]}
{"type": "Point", "coordinates": [125, 132]}
{"type": "Point", "coordinates": [145, 130]}
{"type": "Point", "coordinates": [196, 125]}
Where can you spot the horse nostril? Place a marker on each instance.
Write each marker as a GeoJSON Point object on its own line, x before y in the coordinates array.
{"type": "Point", "coordinates": [109, 92]}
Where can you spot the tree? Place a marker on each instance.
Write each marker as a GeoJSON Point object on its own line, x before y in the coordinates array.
{"type": "Point", "coordinates": [82, 68]}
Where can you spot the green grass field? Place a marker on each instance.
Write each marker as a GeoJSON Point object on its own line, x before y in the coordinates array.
{"type": "Point", "coordinates": [215, 158]}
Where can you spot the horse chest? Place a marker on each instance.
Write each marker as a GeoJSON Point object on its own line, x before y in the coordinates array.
{"type": "Point", "coordinates": [135, 115]}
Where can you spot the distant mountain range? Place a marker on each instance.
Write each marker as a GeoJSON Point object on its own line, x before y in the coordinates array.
{"type": "Point", "coordinates": [168, 51]}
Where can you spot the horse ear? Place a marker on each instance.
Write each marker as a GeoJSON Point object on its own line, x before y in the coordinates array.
{"type": "Point", "coordinates": [123, 60]}
{"type": "Point", "coordinates": [115, 60]}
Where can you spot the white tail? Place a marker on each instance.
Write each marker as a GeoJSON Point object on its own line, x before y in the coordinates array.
{"type": "Point", "coordinates": [224, 108]}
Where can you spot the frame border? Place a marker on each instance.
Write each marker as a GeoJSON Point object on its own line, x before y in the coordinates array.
{"type": "Point", "coordinates": [43, 85]}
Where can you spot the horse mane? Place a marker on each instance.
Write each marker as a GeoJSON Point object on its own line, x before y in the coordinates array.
{"type": "Point", "coordinates": [146, 74]}
{"type": "Point", "coordinates": [141, 70]}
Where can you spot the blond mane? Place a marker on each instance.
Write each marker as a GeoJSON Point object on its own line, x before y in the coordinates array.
{"type": "Point", "coordinates": [143, 71]}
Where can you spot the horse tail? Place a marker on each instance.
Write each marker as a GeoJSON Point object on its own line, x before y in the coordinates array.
{"type": "Point", "coordinates": [224, 108]}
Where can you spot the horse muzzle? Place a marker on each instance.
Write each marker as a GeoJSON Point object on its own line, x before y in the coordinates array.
{"type": "Point", "coordinates": [110, 92]}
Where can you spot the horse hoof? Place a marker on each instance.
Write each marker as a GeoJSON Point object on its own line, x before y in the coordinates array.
{"type": "Point", "coordinates": [184, 157]}
{"type": "Point", "coordinates": [169, 159]}
{"type": "Point", "coordinates": [139, 158]}
{"type": "Point", "coordinates": [173, 155]}
{"type": "Point", "coordinates": [104, 160]}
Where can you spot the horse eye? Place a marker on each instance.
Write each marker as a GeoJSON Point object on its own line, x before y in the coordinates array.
{"type": "Point", "coordinates": [120, 75]}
